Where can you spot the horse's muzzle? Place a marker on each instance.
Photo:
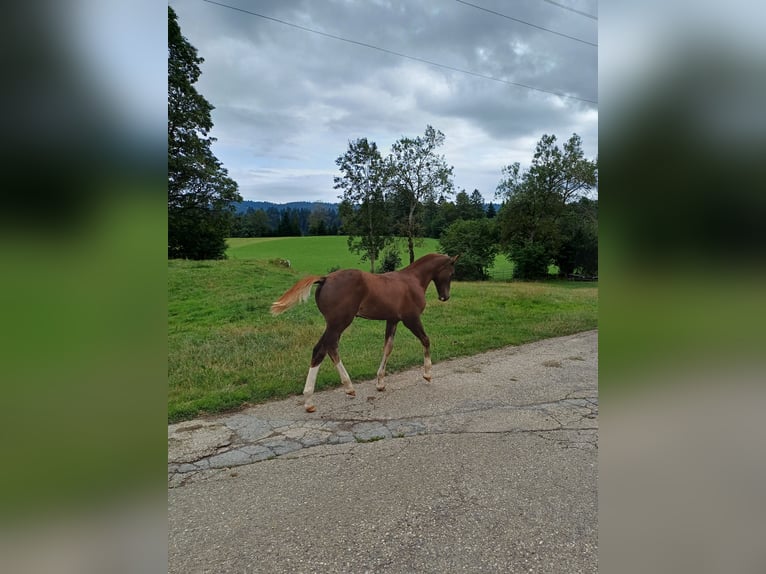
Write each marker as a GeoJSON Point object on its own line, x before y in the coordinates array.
{"type": "Point", "coordinates": [443, 297]}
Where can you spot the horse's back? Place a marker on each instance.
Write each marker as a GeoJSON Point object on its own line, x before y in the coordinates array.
{"type": "Point", "coordinates": [352, 292]}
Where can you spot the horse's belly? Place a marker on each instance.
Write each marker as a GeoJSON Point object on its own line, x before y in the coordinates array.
{"type": "Point", "coordinates": [374, 316]}
{"type": "Point", "coordinates": [377, 312]}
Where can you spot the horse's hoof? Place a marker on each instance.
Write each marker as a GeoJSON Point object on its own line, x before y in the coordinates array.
{"type": "Point", "coordinates": [351, 393]}
{"type": "Point", "coordinates": [427, 378]}
{"type": "Point", "coordinates": [381, 389]}
{"type": "Point", "coordinates": [310, 409]}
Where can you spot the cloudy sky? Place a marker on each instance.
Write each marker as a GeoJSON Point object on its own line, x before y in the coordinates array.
{"type": "Point", "coordinates": [288, 100]}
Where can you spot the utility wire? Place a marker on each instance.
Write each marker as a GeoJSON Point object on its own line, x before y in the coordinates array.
{"type": "Point", "coordinates": [526, 23]}
{"type": "Point", "coordinates": [399, 54]}
{"type": "Point", "coordinates": [591, 16]}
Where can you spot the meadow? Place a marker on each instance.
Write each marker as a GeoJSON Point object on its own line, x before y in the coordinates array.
{"type": "Point", "coordinates": [320, 254]}
{"type": "Point", "coordinates": [226, 351]}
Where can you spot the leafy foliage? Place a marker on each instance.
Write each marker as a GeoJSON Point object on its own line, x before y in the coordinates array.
{"type": "Point", "coordinates": [579, 247]}
{"type": "Point", "coordinates": [199, 189]}
{"type": "Point", "coordinates": [469, 207]}
{"type": "Point", "coordinates": [251, 223]}
{"type": "Point", "coordinates": [418, 175]}
{"type": "Point", "coordinates": [363, 209]}
{"type": "Point", "coordinates": [536, 219]}
{"type": "Point", "coordinates": [476, 243]}
{"type": "Point", "coordinates": [391, 261]}
{"type": "Point", "coordinates": [284, 220]}
{"type": "Point", "coordinates": [530, 261]}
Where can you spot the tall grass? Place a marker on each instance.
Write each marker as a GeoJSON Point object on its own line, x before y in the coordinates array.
{"type": "Point", "coordinates": [226, 350]}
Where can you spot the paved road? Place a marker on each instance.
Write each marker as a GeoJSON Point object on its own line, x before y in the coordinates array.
{"type": "Point", "coordinates": [490, 468]}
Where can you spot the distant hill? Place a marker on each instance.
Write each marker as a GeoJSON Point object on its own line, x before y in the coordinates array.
{"type": "Point", "coordinates": [243, 206]}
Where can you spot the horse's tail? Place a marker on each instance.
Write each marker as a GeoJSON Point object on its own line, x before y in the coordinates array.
{"type": "Point", "coordinates": [298, 292]}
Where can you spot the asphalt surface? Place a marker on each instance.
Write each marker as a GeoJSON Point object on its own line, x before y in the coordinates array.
{"type": "Point", "coordinates": [492, 467]}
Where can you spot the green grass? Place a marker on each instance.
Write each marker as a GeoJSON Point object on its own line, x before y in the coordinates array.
{"type": "Point", "coordinates": [502, 269]}
{"type": "Point", "coordinates": [226, 350]}
{"type": "Point", "coordinates": [320, 254]}
{"type": "Point", "coordinates": [312, 254]}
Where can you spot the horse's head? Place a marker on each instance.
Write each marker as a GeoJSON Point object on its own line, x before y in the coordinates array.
{"type": "Point", "coordinates": [443, 277]}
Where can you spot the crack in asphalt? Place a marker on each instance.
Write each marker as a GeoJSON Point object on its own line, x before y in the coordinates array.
{"type": "Point", "coordinates": [254, 440]}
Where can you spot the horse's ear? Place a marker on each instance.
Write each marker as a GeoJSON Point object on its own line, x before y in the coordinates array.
{"type": "Point", "coordinates": [455, 258]}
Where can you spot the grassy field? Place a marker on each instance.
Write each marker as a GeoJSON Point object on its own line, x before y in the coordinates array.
{"type": "Point", "coordinates": [311, 254]}
{"type": "Point", "coordinates": [226, 350]}
{"type": "Point", "coordinates": [319, 254]}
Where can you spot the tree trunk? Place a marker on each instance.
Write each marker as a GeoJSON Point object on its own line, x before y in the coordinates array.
{"type": "Point", "coordinates": [372, 254]}
{"type": "Point", "coordinates": [411, 235]}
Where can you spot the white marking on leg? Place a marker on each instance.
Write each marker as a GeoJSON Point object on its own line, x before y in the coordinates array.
{"type": "Point", "coordinates": [308, 389]}
{"type": "Point", "coordinates": [381, 384]}
{"type": "Point", "coordinates": [345, 379]}
{"type": "Point", "coordinates": [427, 367]}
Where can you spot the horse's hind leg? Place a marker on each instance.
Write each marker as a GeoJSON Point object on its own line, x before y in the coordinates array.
{"type": "Point", "coordinates": [318, 355]}
{"type": "Point", "coordinates": [387, 348]}
{"type": "Point", "coordinates": [416, 327]}
{"type": "Point", "coordinates": [308, 389]}
{"type": "Point", "coordinates": [327, 345]}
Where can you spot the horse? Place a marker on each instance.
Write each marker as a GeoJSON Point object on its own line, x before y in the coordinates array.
{"type": "Point", "coordinates": [391, 297]}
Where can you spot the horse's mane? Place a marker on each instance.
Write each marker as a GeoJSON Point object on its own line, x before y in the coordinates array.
{"type": "Point", "coordinates": [427, 258]}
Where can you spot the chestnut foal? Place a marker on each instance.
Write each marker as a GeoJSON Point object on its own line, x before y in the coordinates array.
{"type": "Point", "coordinates": [390, 297]}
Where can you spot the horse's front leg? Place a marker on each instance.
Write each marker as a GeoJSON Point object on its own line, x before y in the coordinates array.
{"type": "Point", "coordinates": [416, 327]}
{"type": "Point", "coordinates": [387, 348]}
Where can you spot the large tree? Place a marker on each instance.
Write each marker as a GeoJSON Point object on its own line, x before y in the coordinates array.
{"type": "Point", "coordinates": [200, 192]}
{"type": "Point", "coordinates": [536, 203]}
{"type": "Point", "coordinates": [469, 207]}
{"type": "Point", "coordinates": [419, 175]}
{"type": "Point", "coordinates": [363, 209]}
{"type": "Point", "coordinates": [475, 240]}
{"type": "Point", "coordinates": [579, 247]}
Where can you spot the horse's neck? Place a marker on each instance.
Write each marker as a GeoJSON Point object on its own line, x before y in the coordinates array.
{"type": "Point", "coordinates": [424, 273]}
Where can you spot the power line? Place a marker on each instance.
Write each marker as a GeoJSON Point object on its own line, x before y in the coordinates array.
{"type": "Point", "coordinates": [527, 23]}
{"type": "Point", "coordinates": [399, 54]}
{"type": "Point", "coordinates": [591, 16]}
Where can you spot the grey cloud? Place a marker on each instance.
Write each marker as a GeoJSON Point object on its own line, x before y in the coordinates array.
{"type": "Point", "coordinates": [289, 99]}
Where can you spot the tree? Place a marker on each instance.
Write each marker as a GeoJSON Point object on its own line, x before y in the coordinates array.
{"type": "Point", "coordinates": [273, 215]}
{"type": "Point", "coordinates": [391, 261]}
{"type": "Point", "coordinates": [200, 192]}
{"type": "Point", "coordinates": [252, 223]}
{"type": "Point", "coordinates": [319, 220]}
{"type": "Point", "coordinates": [469, 207]}
{"type": "Point", "coordinates": [432, 221]}
{"type": "Point", "coordinates": [258, 223]}
{"type": "Point", "coordinates": [437, 215]}
{"type": "Point", "coordinates": [363, 209]}
{"type": "Point", "coordinates": [289, 223]}
{"type": "Point", "coordinates": [536, 203]}
{"type": "Point", "coordinates": [527, 223]}
{"type": "Point", "coordinates": [579, 247]}
{"type": "Point", "coordinates": [475, 241]}
{"type": "Point", "coordinates": [418, 175]}
{"type": "Point", "coordinates": [477, 201]}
